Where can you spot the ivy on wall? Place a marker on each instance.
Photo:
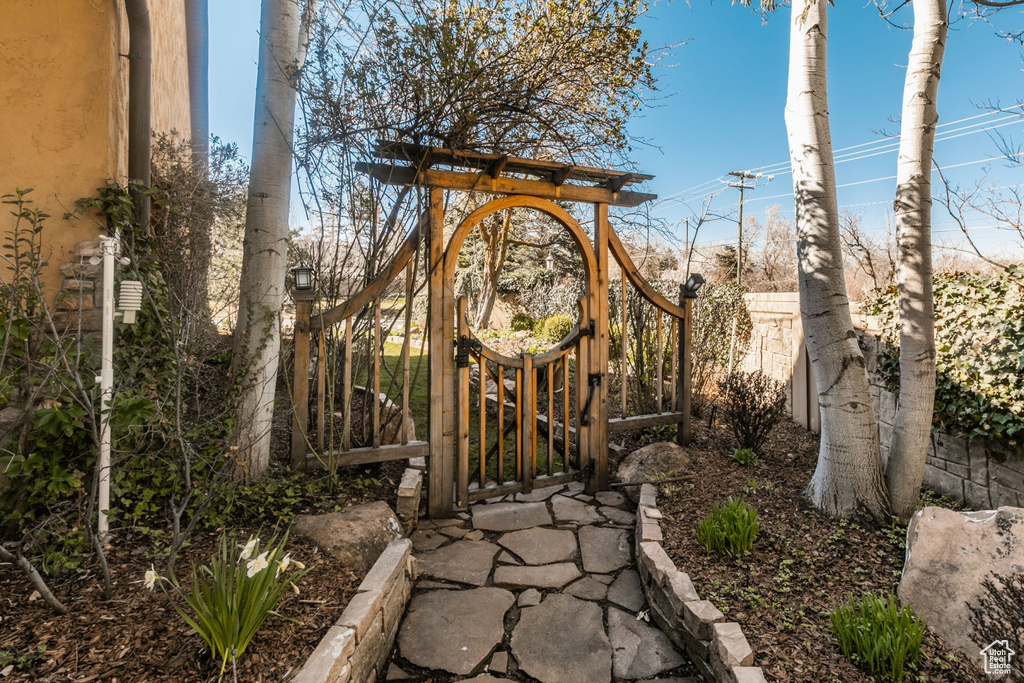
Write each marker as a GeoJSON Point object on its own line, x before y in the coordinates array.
{"type": "Point", "coordinates": [979, 340]}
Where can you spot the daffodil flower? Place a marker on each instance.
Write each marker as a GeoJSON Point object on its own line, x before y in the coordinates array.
{"type": "Point", "coordinates": [257, 565]}
{"type": "Point", "coordinates": [295, 588]}
{"type": "Point", "coordinates": [150, 578]}
{"type": "Point", "coordinates": [248, 548]}
{"type": "Point", "coordinates": [298, 565]}
{"type": "Point", "coordinates": [282, 564]}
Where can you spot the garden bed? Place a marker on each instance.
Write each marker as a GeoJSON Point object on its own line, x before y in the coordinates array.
{"type": "Point", "coordinates": [802, 564]}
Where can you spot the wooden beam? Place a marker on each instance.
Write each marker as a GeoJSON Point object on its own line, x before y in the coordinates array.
{"type": "Point", "coordinates": [617, 183]}
{"type": "Point", "coordinates": [481, 182]}
{"type": "Point", "coordinates": [638, 280]}
{"type": "Point", "coordinates": [440, 484]}
{"type": "Point", "coordinates": [364, 456]}
{"type": "Point", "coordinates": [598, 481]}
{"type": "Point", "coordinates": [558, 177]}
{"type": "Point", "coordinates": [300, 380]}
{"type": "Point", "coordinates": [626, 424]}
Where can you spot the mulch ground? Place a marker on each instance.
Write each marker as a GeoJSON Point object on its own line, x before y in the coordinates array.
{"type": "Point", "coordinates": [802, 565]}
{"type": "Point", "coordinates": [137, 635]}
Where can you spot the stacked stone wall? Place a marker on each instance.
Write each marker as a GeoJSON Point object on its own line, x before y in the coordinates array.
{"type": "Point", "coordinates": [357, 647]}
{"type": "Point", "coordinates": [717, 648]}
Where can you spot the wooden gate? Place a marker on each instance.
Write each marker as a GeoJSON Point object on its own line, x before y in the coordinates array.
{"type": "Point", "coordinates": [526, 421]}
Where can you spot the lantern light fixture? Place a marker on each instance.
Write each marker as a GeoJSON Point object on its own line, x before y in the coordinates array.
{"type": "Point", "coordinates": [693, 285]}
{"type": "Point", "coordinates": [303, 278]}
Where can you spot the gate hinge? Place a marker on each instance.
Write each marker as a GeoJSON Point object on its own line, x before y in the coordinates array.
{"type": "Point", "coordinates": [465, 345]}
{"type": "Point", "coordinates": [593, 381]}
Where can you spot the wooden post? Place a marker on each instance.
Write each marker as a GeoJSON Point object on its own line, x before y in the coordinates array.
{"type": "Point", "coordinates": [300, 380]}
{"type": "Point", "coordinates": [346, 389]}
{"type": "Point", "coordinates": [529, 426]}
{"type": "Point", "coordinates": [321, 391]}
{"type": "Point", "coordinates": [407, 326]}
{"type": "Point", "coordinates": [686, 368]}
{"type": "Point", "coordinates": [598, 446]}
{"type": "Point", "coordinates": [375, 364]}
{"type": "Point", "coordinates": [439, 474]}
{"type": "Point", "coordinates": [462, 408]}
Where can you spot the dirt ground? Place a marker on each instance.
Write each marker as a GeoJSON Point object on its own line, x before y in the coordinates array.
{"type": "Point", "coordinates": [802, 564]}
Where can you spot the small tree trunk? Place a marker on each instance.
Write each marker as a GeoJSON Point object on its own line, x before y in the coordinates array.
{"type": "Point", "coordinates": [912, 426]}
{"type": "Point", "coordinates": [265, 247]}
{"type": "Point", "coordinates": [848, 479]}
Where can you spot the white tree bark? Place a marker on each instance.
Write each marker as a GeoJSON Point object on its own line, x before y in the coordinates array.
{"type": "Point", "coordinates": [908, 450]}
{"type": "Point", "coordinates": [265, 248]}
{"type": "Point", "coordinates": [848, 479]}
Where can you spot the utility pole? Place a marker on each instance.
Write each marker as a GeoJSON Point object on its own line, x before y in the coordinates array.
{"type": "Point", "coordinates": [742, 175]}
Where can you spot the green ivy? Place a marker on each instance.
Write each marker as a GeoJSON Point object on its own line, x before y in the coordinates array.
{"type": "Point", "coordinates": [979, 341]}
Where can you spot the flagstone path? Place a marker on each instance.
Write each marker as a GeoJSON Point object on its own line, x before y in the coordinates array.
{"type": "Point", "coordinates": [532, 587]}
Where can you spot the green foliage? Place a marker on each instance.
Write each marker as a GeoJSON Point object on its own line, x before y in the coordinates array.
{"type": "Point", "coordinates": [555, 328]}
{"type": "Point", "coordinates": [979, 341]}
{"type": "Point", "coordinates": [521, 322]}
{"type": "Point", "coordinates": [729, 529]}
{"type": "Point", "coordinates": [753, 404]}
{"type": "Point", "coordinates": [48, 376]}
{"type": "Point", "coordinates": [878, 635]}
{"type": "Point", "coordinates": [21, 662]}
{"type": "Point", "coordinates": [234, 595]}
{"type": "Point", "coordinates": [714, 311]}
{"type": "Point", "coordinates": [745, 456]}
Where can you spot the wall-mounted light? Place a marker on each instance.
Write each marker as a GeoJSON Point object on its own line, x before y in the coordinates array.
{"type": "Point", "coordinates": [693, 285]}
{"type": "Point", "coordinates": [303, 278]}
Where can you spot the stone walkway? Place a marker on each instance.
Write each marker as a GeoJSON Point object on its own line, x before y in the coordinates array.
{"type": "Point", "coordinates": [530, 587]}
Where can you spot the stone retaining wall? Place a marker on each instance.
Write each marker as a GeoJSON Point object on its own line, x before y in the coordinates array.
{"type": "Point", "coordinates": [358, 645]}
{"type": "Point", "coordinates": [718, 648]}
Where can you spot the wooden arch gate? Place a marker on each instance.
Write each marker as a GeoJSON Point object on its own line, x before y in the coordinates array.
{"type": "Point", "coordinates": [558, 399]}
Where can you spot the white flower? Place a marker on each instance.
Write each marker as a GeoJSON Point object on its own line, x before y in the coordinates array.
{"type": "Point", "coordinates": [248, 548]}
{"type": "Point", "coordinates": [295, 588]}
{"type": "Point", "coordinates": [257, 565]}
{"type": "Point", "coordinates": [149, 580]}
{"type": "Point", "coordinates": [282, 564]}
{"type": "Point", "coordinates": [298, 565]}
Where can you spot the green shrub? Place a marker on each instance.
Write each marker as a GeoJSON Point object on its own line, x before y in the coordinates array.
{"type": "Point", "coordinates": [878, 635]}
{"type": "Point", "coordinates": [556, 328]}
{"type": "Point", "coordinates": [754, 403]}
{"type": "Point", "coordinates": [979, 341]}
{"type": "Point", "coordinates": [729, 529]}
{"type": "Point", "coordinates": [234, 595]}
{"type": "Point", "coordinates": [745, 456]}
{"type": "Point", "coordinates": [522, 321]}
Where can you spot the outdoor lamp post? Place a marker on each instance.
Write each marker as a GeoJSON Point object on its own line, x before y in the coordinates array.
{"type": "Point", "coordinates": [303, 278]}
{"type": "Point", "coordinates": [693, 285]}
{"type": "Point", "coordinates": [550, 261]}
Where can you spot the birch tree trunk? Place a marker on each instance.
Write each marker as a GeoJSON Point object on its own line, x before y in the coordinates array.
{"type": "Point", "coordinates": [848, 479]}
{"type": "Point", "coordinates": [257, 345]}
{"type": "Point", "coordinates": [908, 450]}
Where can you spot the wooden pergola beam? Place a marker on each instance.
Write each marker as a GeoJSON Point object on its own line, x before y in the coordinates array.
{"type": "Point", "coordinates": [481, 182]}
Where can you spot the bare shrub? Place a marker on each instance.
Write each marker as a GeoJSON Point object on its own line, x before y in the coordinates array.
{"type": "Point", "coordinates": [753, 404]}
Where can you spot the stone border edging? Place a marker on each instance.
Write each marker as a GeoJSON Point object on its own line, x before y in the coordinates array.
{"type": "Point", "coordinates": [360, 642]}
{"type": "Point", "coordinates": [718, 648]}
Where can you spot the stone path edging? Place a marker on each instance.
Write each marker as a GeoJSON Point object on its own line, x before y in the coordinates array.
{"type": "Point", "coordinates": [718, 648]}
{"type": "Point", "coordinates": [360, 642]}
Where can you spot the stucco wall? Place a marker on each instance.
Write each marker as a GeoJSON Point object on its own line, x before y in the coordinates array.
{"type": "Point", "coordinates": [63, 105]}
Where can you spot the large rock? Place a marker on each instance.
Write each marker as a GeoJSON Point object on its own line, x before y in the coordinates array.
{"type": "Point", "coordinates": [465, 562]}
{"type": "Point", "coordinates": [357, 536]}
{"type": "Point", "coordinates": [562, 640]}
{"type": "Point", "coordinates": [663, 458]}
{"type": "Point", "coordinates": [540, 546]}
{"type": "Point", "coordinates": [639, 650]}
{"type": "Point", "coordinates": [949, 554]}
{"type": "Point", "coordinates": [454, 630]}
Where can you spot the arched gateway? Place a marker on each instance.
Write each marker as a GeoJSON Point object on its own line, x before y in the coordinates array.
{"type": "Point", "coordinates": [574, 427]}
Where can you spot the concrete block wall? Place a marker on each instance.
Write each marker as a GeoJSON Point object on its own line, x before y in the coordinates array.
{"type": "Point", "coordinates": [717, 648]}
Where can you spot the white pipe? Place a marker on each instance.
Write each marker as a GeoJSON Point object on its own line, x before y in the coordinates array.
{"type": "Point", "coordinates": [106, 379]}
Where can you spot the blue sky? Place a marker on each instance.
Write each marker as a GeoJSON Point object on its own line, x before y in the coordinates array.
{"type": "Point", "coordinates": [722, 99]}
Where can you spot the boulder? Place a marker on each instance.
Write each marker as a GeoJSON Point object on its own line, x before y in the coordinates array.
{"type": "Point", "coordinates": [643, 464]}
{"type": "Point", "coordinates": [357, 536]}
{"type": "Point", "coordinates": [949, 555]}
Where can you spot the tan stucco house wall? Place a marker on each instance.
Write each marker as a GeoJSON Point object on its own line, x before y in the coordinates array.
{"type": "Point", "coordinates": [64, 105]}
